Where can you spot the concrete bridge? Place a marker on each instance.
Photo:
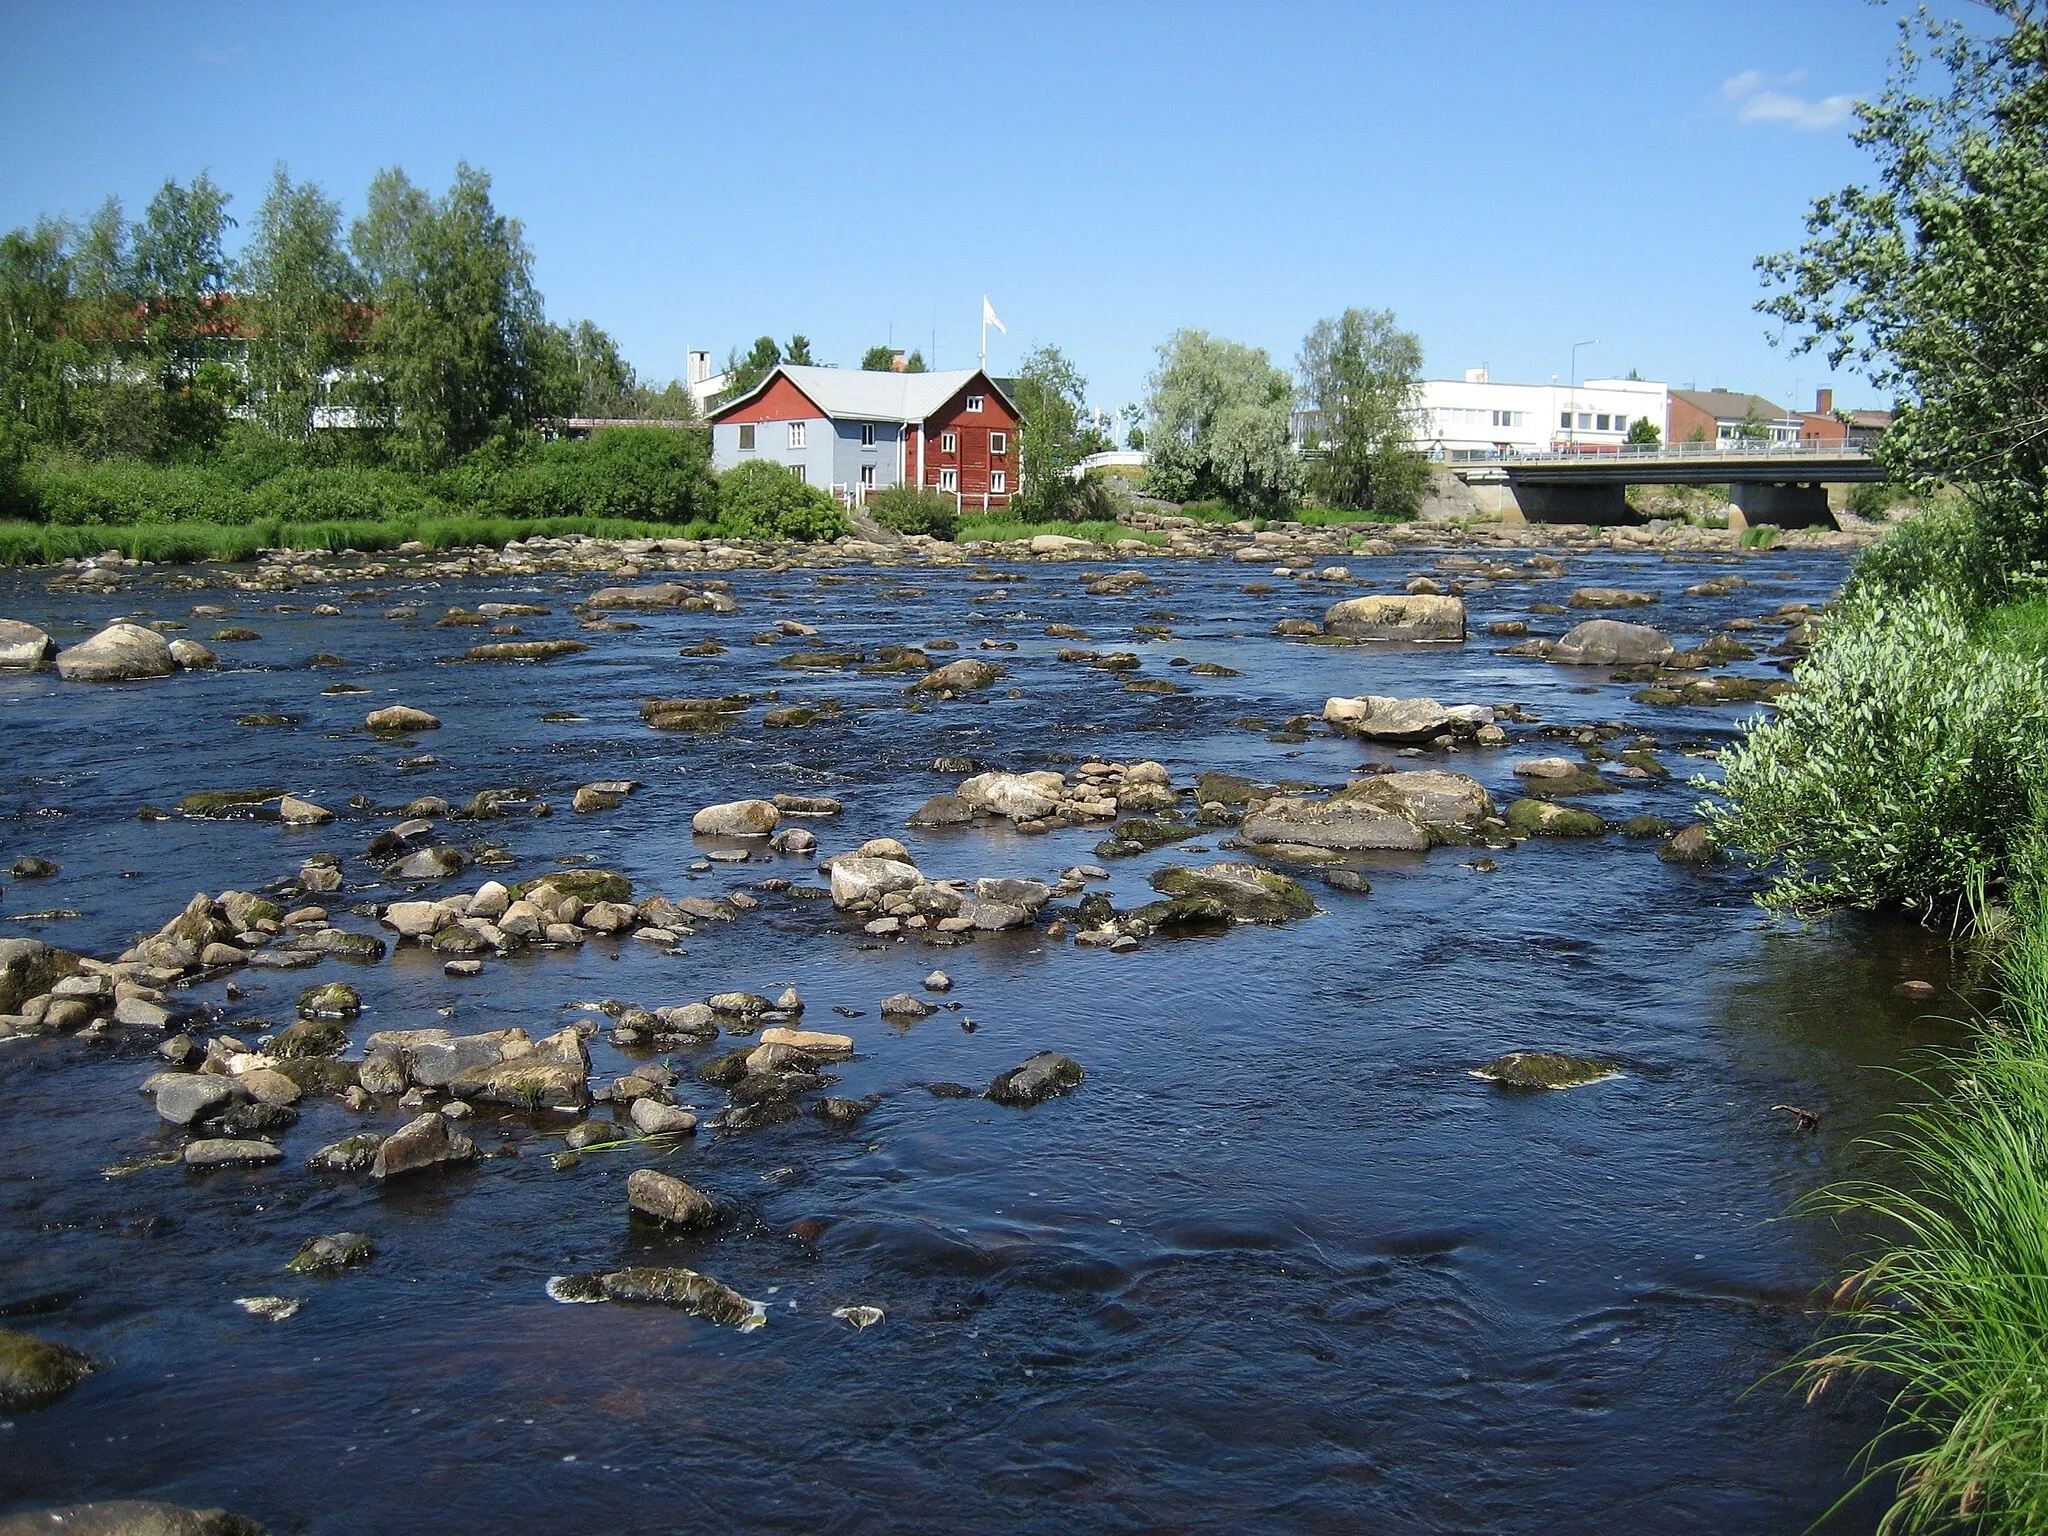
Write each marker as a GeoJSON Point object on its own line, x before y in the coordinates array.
{"type": "Point", "coordinates": [1781, 483]}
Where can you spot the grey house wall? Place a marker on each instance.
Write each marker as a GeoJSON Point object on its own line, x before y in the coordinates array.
{"type": "Point", "coordinates": [849, 455]}
{"type": "Point", "coordinates": [771, 442]}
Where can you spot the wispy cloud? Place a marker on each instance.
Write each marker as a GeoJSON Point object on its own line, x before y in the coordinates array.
{"type": "Point", "coordinates": [1756, 97]}
{"type": "Point", "coordinates": [216, 58]}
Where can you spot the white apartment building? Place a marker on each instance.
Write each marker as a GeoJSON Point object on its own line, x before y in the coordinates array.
{"type": "Point", "coordinates": [1460, 420]}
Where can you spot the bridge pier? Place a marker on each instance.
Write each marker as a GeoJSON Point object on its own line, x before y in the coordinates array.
{"type": "Point", "coordinates": [1601, 504]}
{"type": "Point", "coordinates": [1785, 504]}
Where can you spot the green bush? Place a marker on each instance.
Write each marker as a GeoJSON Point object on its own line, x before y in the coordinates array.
{"type": "Point", "coordinates": [909, 510]}
{"type": "Point", "coordinates": [343, 495]}
{"type": "Point", "coordinates": [1873, 499]}
{"type": "Point", "coordinates": [648, 474]}
{"type": "Point", "coordinates": [69, 491]}
{"type": "Point", "coordinates": [1902, 772]}
{"type": "Point", "coordinates": [761, 500]}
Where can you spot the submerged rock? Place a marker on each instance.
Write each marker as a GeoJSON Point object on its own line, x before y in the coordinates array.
{"type": "Point", "coordinates": [36, 1371]}
{"type": "Point", "coordinates": [1248, 892]}
{"type": "Point", "coordinates": [1545, 1069]}
{"type": "Point", "coordinates": [682, 1288]}
{"type": "Point", "coordinates": [339, 1250]}
{"type": "Point", "coordinates": [129, 1517]}
{"type": "Point", "coordinates": [668, 1199]}
{"type": "Point", "coordinates": [1695, 844]}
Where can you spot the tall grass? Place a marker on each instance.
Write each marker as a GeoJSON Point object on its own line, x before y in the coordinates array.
{"type": "Point", "coordinates": [1951, 1316]}
{"type": "Point", "coordinates": [180, 543]}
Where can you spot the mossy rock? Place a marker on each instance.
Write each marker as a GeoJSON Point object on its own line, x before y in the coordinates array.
{"type": "Point", "coordinates": [793, 717]}
{"type": "Point", "coordinates": [1211, 669]}
{"type": "Point", "coordinates": [35, 1371]}
{"type": "Point", "coordinates": [330, 1000]}
{"type": "Point", "coordinates": [1250, 894]}
{"type": "Point", "coordinates": [1540, 818]}
{"type": "Point", "coordinates": [1227, 788]}
{"type": "Point", "coordinates": [226, 802]}
{"type": "Point", "coordinates": [1644, 827]}
{"type": "Point", "coordinates": [588, 885]}
{"type": "Point", "coordinates": [319, 1036]}
{"type": "Point", "coordinates": [1142, 830]}
{"type": "Point", "coordinates": [341, 1250]}
{"type": "Point", "coordinates": [525, 650]}
{"type": "Point", "coordinates": [1545, 1069]}
{"type": "Point", "coordinates": [1151, 685]}
{"type": "Point", "coordinates": [1182, 912]}
{"type": "Point", "coordinates": [1580, 783]}
{"type": "Point", "coordinates": [318, 1074]}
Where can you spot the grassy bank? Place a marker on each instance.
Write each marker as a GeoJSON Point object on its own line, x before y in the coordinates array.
{"type": "Point", "coordinates": [180, 543]}
{"type": "Point", "coordinates": [1097, 532]}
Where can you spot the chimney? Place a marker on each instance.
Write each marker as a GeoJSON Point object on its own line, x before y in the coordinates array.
{"type": "Point", "coordinates": [1823, 402]}
{"type": "Point", "coordinates": [898, 363]}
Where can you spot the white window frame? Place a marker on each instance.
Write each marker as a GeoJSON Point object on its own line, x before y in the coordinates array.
{"type": "Point", "coordinates": [867, 434]}
{"type": "Point", "coordinates": [949, 442]}
{"type": "Point", "coordinates": [867, 475]}
{"type": "Point", "coordinates": [998, 483]}
{"type": "Point", "coordinates": [796, 434]}
{"type": "Point", "coordinates": [802, 474]}
{"type": "Point", "coordinates": [975, 402]}
{"type": "Point", "coordinates": [949, 479]}
{"type": "Point", "coordinates": [998, 443]}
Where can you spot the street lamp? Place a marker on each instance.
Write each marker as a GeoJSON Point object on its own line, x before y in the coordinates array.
{"type": "Point", "coordinates": [1574, 398]}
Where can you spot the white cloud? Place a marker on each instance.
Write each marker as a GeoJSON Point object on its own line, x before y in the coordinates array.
{"type": "Point", "coordinates": [1760, 98]}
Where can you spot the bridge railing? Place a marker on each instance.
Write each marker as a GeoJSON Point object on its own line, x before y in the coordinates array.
{"type": "Point", "coordinates": [1747, 448]}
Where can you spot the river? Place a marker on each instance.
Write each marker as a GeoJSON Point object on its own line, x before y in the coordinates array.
{"type": "Point", "coordinates": [1281, 1262]}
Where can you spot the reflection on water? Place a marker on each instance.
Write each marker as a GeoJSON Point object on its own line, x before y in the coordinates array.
{"type": "Point", "coordinates": [1281, 1260]}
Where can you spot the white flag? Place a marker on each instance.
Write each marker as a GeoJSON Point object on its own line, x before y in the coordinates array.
{"type": "Point", "coordinates": [988, 316]}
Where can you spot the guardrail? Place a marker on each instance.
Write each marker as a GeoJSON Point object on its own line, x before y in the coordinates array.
{"type": "Point", "coordinates": [1638, 452]}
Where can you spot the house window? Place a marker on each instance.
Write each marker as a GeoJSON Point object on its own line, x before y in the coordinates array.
{"type": "Point", "coordinates": [796, 434]}
{"type": "Point", "coordinates": [746, 439]}
{"type": "Point", "coordinates": [948, 479]}
{"type": "Point", "coordinates": [1564, 418]}
{"type": "Point", "coordinates": [974, 402]}
{"type": "Point", "coordinates": [1603, 420]}
{"type": "Point", "coordinates": [867, 434]}
{"type": "Point", "coordinates": [867, 475]}
{"type": "Point", "coordinates": [949, 442]}
{"type": "Point", "coordinates": [798, 471]}
{"type": "Point", "coordinates": [998, 444]}
{"type": "Point", "coordinates": [998, 483]}
{"type": "Point", "coordinates": [1585, 421]}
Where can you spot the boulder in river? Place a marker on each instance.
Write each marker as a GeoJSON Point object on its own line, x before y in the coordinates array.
{"type": "Point", "coordinates": [1543, 818]}
{"type": "Point", "coordinates": [191, 656]}
{"type": "Point", "coordinates": [1545, 1069]}
{"type": "Point", "coordinates": [338, 1250]}
{"type": "Point", "coordinates": [294, 812]}
{"type": "Point", "coordinates": [23, 647]}
{"type": "Point", "coordinates": [1249, 892]}
{"type": "Point", "coordinates": [1019, 796]}
{"type": "Point", "coordinates": [1612, 643]}
{"type": "Point", "coordinates": [737, 818]}
{"type": "Point", "coordinates": [119, 653]}
{"type": "Point", "coordinates": [685, 1289]}
{"type": "Point", "coordinates": [1691, 845]}
{"type": "Point", "coordinates": [668, 1199]}
{"type": "Point", "coordinates": [524, 1083]}
{"type": "Point", "coordinates": [1609, 597]}
{"type": "Point", "coordinates": [857, 879]}
{"type": "Point", "coordinates": [231, 1152]}
{"type": "Point", "coordinates": [400, 717]}
{"type": "Point", "coordinates": [36, 1371]}
{"type": "Point", "coordinates": [1389, 617]}
{"type": "Point", "coordinates": [129, 1517]}
{"type": "Point", "coordinates": [960, 676]}
{"type": "Point", "coordinates": [430, 1141]}
{"type": "Point", "coordinates": [1034, 1081]}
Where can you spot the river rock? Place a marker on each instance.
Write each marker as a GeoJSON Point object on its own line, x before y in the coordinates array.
{"type": "Point", "coordinates": [1019, 796]}
{"type": "Point", "coordinates": [857, 879]}
{"type": "Point", "coordinates": [352, 1154]}
{"type": "Point", "coordinates": [417, 919]}
{"type": "Point", "coordinates": [682, 1288]}
{"type": "Point", "coordinates": [1609, 597]}
{"type": "Point", "coordinates": [1249, 892]}
{"type": "Point", "coordinates": [294, 812]}
{"type": "Point", "coordinates": [191, 656]}
{"type": "Point", "coordinates": [942, 811]}
{"type": "Point", "coordinates": [737, 818]}
{"type": "Point", "coordinates": [1691, 845]}
{"type": "Point", "coordinates": [29, 968]}
{"type": "Point", "coordinates": [430, 1141]}
{"type": "Point", "coordinates": [1378, 718]}
{"type": "Point", "coordinates": [1389, 617]}
{"type": "Point", "coordinates": [400, 717]}
{"type": "Point", "coordinates": [36, 1371]}
{"type": "Point", "coordinates": [129, 1517]}
{"type": "Point", "coordinates": [338, 1250]}
{"type": "Point", "coordinates": [651, 1117]}
{"type": "Point", "coordinates": [303, 1039]}
{"type": "Point", "coordinates": [1036, 1080]}
{"type": "Point", "coordinates": [428, 864]}
{"type": "Point", "coordinates": [1336, 823]}
{"type": "Point", "coordinates": [23, 647]}
{"type": "Point", "coordinates": [666, 594]}
{"type": "Point", "coordinates": [958, 677]}
{"type": "Point", "coordinates": [524, 1084]}
{"type": "Point", "coordinates": [231, 1152]}
{"type": "Point", "coordinates": [1609, 643]}
{"type": "Point", "coordinates": [119, 653]}
{"type": "Point", "coordinates": [669, 1199]}
{"type": "Point", "coordinates": [992, 916]}
{"type": "Point", "coordinates": [1545, 1069]}
{"type": "Point", "coordinates": [188, 1097]}
{"type": "Point", "coordinates": [1544, 818]}
{"type": "Point", "coordinates": [330, 1000]}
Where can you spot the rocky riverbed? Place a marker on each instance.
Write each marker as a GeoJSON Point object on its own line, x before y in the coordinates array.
{"type": "Point", "coordinates": [1002, 1036]}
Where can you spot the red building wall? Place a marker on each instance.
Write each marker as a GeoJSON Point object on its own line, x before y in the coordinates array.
{"type": "Point", "coordinates": [783, 401]}
{"type": "Point", "coordinates": [1686, 419]}
{"type": "Point", "coordinates": [971, 459]}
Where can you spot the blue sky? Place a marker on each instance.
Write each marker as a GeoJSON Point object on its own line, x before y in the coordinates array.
{"type": "Point", "coordinates": [1508, 176]}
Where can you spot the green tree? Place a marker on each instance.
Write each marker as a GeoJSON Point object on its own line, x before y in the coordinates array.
{"type": "Point", "coordinates": [605, 385]}
{"type": "Point", "coordinates": [799, 353]}
{"type": "Point", "coordinates": [1645, 433]}
{"type": "Point", "coordinates": [915, 362]}
{"type": "Point", "coordinates": [878, 360]}
{"type": "Point", "coordinates": [1933, 280]}
{"type": "Point", "coordinates": [1049, 394]}
{"type": "Point", "coordinates": [456, 354]}
{"type": "Point", "coordinates": [1218, 425]}
{"type": "Point", "coordinates": [743, 373]}
{"type": "Point", "coordinates": [759, 499]}
{"type": "Point", "coordinates": [39, 355]}
{"type": "Point", "coordinates": [1752, 428]}
{"type": "Point", "coordinates": [1360, 381]}
{"type": "Point", "coordinates": [183, 286]}
{"type": "Point", "coordinates": [302, 304]}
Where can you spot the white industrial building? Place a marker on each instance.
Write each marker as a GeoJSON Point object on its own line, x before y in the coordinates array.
{"type": "Point", "coordinates": [1473, 418]}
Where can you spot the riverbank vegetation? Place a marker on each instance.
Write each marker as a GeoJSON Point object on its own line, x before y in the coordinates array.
{"type": "Point", "coordinates": [1910, 770]}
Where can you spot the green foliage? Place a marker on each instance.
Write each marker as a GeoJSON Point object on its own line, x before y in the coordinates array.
{"type": "Point", "coordinates": [761, 500]}
{"type": "Point", "coordinates": [910, 510]}
{"type": "Point", "coordinates": [798, 353]}
{"type": "Point", "coordinates": [1219, 425]}
{"type": "Point", "coordinates": [1644, 433]}
{"type": "Point", "coordinates": [1950, 1315]}
{"type": "Point", "coordinates": [1050, 396]}
{"type": "Point", "coordinates": [75, 491]}
{"type": "Point", "coordinates": [341, 494]}
{"type": "Point", "coordinates": [994, 530]}
{"type": "Point", "coordinates": [1943, 547]}
{"type": "Point", "coordinates": [878, 359]}
{"type": "Point", "coordinates": [1361, 379]}
{"type": "Point", "coordinates": [743, 373]}
{"type": "Point", "coordinates": [654, 474]}
{"type": "Point", "coordinates": [302, 304]}
{"type": "Point", "coordinates": [26, 544]}
{"type": "Point", "coordinates": [1902, 772]}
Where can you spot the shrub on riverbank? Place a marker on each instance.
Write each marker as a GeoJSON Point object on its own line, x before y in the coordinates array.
{"type": "Point", "coordinates": [761, 500]}
{"type": "Point", "coordinates": [24, 544]}
{"type": "Point", "coordinates": [909, 510]}
{"type": "Point", "coordinates": [1904, 769]}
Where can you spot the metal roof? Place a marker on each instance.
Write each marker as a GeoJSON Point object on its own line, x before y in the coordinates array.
{"type": "Point", "coordinates": [859, 394]}
{"type": "Point", "coordinates": [1728, 405]}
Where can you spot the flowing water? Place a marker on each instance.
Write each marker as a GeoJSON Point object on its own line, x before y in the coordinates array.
{"type": "Point", "coordinates": [1281, 1262]}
